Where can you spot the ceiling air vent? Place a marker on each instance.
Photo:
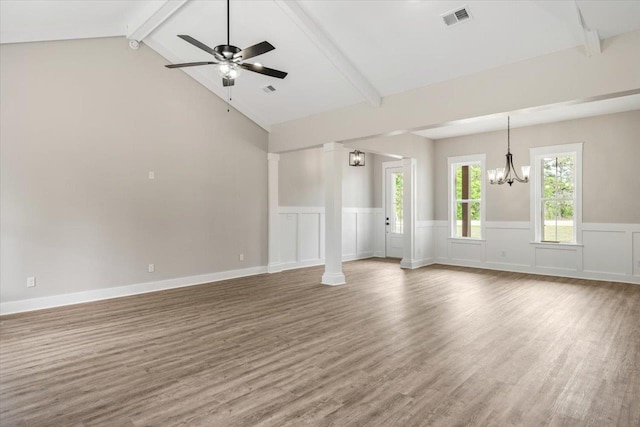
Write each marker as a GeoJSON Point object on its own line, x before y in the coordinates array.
{"type": "Point", "coordinates": [456, 16]}
{"type": "Point", "coordinates": [269, 89]}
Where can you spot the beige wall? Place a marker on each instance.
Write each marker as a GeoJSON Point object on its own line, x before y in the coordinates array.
{"type": "Point", "coordinates": [560, 76]}
{"type": "Point", "coordinates": [611, 152]}
{"type": "Point", "coordinates": [82, 124]}
{"type": "Point", "coordinates": [301, 180]}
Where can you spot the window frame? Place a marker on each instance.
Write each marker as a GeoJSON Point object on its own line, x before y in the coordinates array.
{"type": "Point", "coordinates": [536, 181]}
{"type": "Point", "coordinates": [452, 164]}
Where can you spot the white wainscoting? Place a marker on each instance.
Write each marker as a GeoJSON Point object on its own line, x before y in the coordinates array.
{"type": "Point", "coordinates": [424, 243]}
{"type": "Point", "coordinates": [608, 251]}
{"type": "Point", "coordinates": [302, 235]}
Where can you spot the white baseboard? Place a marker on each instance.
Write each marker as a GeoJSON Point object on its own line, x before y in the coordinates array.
{"type": "Point", "coordinates": [516, 268]}
{"type": "Point", "coordinates": [11, 307]}
{"type": "Point", "coordinates": [275, 267]}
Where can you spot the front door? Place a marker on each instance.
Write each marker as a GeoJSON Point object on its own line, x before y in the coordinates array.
{"type": "Point", "coordinates": [393, 211]}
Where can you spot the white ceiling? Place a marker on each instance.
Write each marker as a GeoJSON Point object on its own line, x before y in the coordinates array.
{"type": "Point", "coordinates": [41, 20]}
{"type": "Point", "coordinates": [535, 116]}
{"type": "Point", "coordinates": [393, 45]}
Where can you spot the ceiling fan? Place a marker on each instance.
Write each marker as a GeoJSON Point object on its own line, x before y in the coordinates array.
{"type": "Point", "coordinates": [230, 58]}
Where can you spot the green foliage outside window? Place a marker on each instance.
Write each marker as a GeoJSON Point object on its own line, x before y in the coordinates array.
{"type": "Point", "coordinates": [558, 190]}
{"type": "Point", "coordinates": [398, 196]}
{"type": "Point", "coordinates": [475, 187]}
{"type": "Point", "coordinates": [558, 184]}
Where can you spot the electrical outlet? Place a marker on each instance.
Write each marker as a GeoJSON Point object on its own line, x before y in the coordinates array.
{"type": "Point", "coordinates": [152, 268]}
{"type": "Point", "coordinates": [152, 175]}
{"type": "Point", "coordinates": [31, 282]}
{"type": "Point", "coordinates": [241, 257]}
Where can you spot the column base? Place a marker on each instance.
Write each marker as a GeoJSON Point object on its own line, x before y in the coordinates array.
{"type": "Point", "coordinates": [274, 268]}
{"type": "Point", "coordinates": [333, 279]}
{"type": "Point", "coordinates": [415, 263]}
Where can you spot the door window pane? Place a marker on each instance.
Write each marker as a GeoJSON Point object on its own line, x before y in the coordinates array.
{"type": "Point", "coordinates": [397, 219]}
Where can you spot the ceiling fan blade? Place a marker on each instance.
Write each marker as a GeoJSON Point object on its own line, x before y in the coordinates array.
{"type": "Point", "coordinates": [255, 50]}
{"type": "Point", "coordinates": [190, 64]}
{"type": "Point", "coordinates": [228, 82]}
{"type": "Point", "coordinates": [264, 70]}
{"type": "Point", "coordinates": [200, 45]}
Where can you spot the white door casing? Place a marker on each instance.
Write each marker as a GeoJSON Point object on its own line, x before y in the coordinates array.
{"type": "Point", "coordinates": [394, 236]}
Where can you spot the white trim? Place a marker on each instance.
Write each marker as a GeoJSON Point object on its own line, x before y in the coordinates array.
{"type": "Point", "coordinates": [466, 160]}
{"type": "Point", "coordinates": [143, 26]}
{"type": "Point", "coordinates": [516, 268]}
{"type": "Point", "coordinates": [416, 263]}
{"type": "Point", "coordinates": [320, 210]}
{"type": "Point", "coordinates": [535, 194]}
{"type": "Point", "coordinates": [333, 53]}
{"type": "Point", "coordinates": [333, 279]}
{"type": "Point", "coordinates": [386, 165]}
{"type": "Point", "coordinates": [410, 213]}
{"type": "Point", "coordinates": [273, 172]}
{"type": "Point", "coordinates": [582, 260]}
{"type": "Point", "coordinates": [301, 209]}
{"type": "Point", "coordinates": [557, 245]}
{"type": "Point", "coordinates": [11, 307]}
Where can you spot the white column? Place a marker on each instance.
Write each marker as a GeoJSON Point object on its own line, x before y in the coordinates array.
{"type": "Point", "coordinates": [333, 158]}
{"type": "Point", "coordinates": [409, 258]}
{"type": "Point", "coordinates": [274, 218]}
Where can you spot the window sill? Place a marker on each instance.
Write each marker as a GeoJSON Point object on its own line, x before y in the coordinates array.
{"type": "Point", "coordinates": [467, 239]}
{"type": "Point", "coordinates": [567, 245]}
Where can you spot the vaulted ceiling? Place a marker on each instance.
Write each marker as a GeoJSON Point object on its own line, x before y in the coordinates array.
{"type": "Point", "coordinates": [337, 53]}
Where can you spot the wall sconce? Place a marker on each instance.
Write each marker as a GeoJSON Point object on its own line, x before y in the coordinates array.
{"type": "Point", "coordinates": [356, 158]}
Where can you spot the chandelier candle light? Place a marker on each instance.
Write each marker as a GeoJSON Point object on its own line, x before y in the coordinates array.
{"type": "Point", "coordinates": [501, 175]}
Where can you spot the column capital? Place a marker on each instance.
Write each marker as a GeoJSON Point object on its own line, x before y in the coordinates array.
{"type": "Point", "coordinates": [333, 146]}
{"type": "Point", "coordinates": [273, 157]}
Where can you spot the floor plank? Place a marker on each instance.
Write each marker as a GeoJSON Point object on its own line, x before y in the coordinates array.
{"type": "Point", "coordinates": [435, 346]}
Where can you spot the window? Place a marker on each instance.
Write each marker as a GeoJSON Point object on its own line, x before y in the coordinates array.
{"type": "Point", "coordinates": [466, 205]}
{"type": "Point", "coordinates": [556, 202]}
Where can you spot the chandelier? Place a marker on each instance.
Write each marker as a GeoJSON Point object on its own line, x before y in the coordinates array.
{"type": "Point", "coordinates": [508, 173]}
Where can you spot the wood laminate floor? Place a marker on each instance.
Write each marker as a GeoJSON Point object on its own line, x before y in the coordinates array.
{"type": "Point", "coordinates": [435, 346]}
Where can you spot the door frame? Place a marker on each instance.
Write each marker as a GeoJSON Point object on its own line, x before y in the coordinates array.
{"type": "Point", "coordinates": [385, 166]}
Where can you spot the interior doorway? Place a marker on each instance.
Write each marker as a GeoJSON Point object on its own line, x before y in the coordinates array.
{"type": "Point", "coordinates": [393, 188]}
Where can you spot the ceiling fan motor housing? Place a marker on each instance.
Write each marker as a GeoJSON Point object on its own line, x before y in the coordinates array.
{"type": "Point", "coordinates": [227, 51]}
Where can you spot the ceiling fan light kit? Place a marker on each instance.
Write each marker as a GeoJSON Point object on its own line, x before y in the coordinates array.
{"type": "Point", "coordinates": [230, 59]}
